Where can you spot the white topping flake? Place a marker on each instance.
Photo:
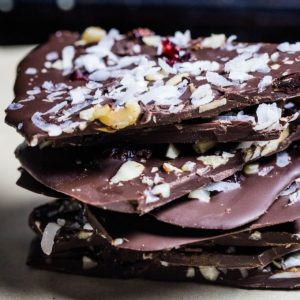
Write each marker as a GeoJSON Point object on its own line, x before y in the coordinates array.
{"type": "Point", "coordinates": [200, 194]}
{"type": "Point", "coordinates": [264, 83]}
{"type": "Point", "coordinates": [214, 41]}
{"type": "Point", "coordinates": [31, 71]}
{"type": "Point", "coordinates": [202, 95]}
{"type": "Point", "coordinates": [209, 273]}
{"type": "Point", "coordinates": [217, 79]}
{"type": "Point", "coordinates": [268, 116]}
{"type": "Point", "coordinates": [162, 189]}
{"type": "Point", "coordinates": [282, 159]}
{"type": "Point", "coordinates": [287, 47]}
{"type": "Point", "coordinates": [172, 152]}
{"type": "Point", "coordinates": [128, 171]}
{"type": "Point", "coordinates": [68, 54]}
{"type": "Point", "coordinates": [48, 237]}
{"type": "Point", "coordinates": [88, 263]}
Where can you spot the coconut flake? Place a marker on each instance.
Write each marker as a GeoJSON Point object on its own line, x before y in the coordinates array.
{"type": "Point", "coordinates": [222, 186]}
{"type": "Point", "coordinates": [166, 67]}
{"type": "Point", "coordinates": [51, 56]}
{"type": "Point", "coordinates": [48, 237]}
{"type": "Point", "coordinates": [128, 171]}
{"type": "Point", "coordinates": [268, 116]}
{"type": "Point", "coordinates": [214, 41]}
{"type": "Point", "coordinates": [31, 71]}
{"type": "Point", "coordinates": [68, 54]}
{"type": "Point", "coordinates": [264, 83]}
{"type": "Point", "coordinates": [292, 261]}
{"type": "Point", "coordinates": [287, 47]}
{"type": "Point", "coordinates": [294, 198]}
{"type": "Point", "coordinates": [202, 95]}
{"type": "Point", "coordinates": [15, 106]}
{"type": "Point", "coordinates": [282, 159]}
{"type": "Point", "coordinates": [285, 275]}
{"type": "Point", "coordinates": [181, 39]}
{"type": "Point", "coordinates": [217, 79]}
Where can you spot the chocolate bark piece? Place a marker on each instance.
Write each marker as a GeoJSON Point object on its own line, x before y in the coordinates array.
{"type": "Point", "coordinates": [88, 173]}
{"type": "Point", "coordinates": [77, 233]}
{"type": "Point", "coordinates": [84, 262]}
{"type": "Point", "coordinates": [85, 174]}
{"type": "Point", "coordinates": [228, 209]}
{"type": "Point", "coordinates": [56, 82]}
{"type": "Point", "coordinates": [143, 233]}
{"type": "Point", "coordinates": [218, 131]}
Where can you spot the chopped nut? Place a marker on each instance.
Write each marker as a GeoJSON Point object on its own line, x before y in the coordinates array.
{"type": "Point", "coordinates": [200, 194]}
{"type": "Point", "coordinates": [154, 77]}
{"type": "Point", "coordinates": [188, 166]}
{"type": "Point", "coordinates": [88, 263]}
{"type": "Point", "coordinates": [255, 236]}
{"type": "Point", "coordinates": [190, 272]}
{"type": "Point", "coordinates": [209, 273]}
{"type": "Point", "coordinates": [162, 189]}
{"type": "Point", "coordinates": [164, 263]}
{"type": "Point", "coordinates": [83, 235]}
{"type": "Point", "coordinates": [212, 105]}
{"type": "Point", "coordinates": [251, 169]}
{"type": "Point", "coordinates": [147, 180]}
{"type": "Point", "coordinates": [204, 146]}
{"type": "Point", "coordinates": [176, 79]}
{"type": "Point", "coordinates": [167, 167]}
{"type": "Point", "coordinates": [93, 34]}
{"type": "Point", "coordinates": [118, 118]}
{"type": "Point", "coordinates": [172, 152]}
{"type": "Point", "coordinates": [128, 171]}
{"type": "Point", "coordinates": [213, 161]}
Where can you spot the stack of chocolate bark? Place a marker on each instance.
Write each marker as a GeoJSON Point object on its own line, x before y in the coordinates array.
{"type": "Point", "coordinates": [172, 158]}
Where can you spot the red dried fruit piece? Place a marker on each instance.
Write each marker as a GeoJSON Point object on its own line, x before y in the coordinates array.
{"type": "Point", "coordinates": [173, 53]}
{"type": "Point", "coordinates": [79, 75]}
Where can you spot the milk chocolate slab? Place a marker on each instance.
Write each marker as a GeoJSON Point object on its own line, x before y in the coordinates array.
{"type": "Point", "coordinates": [84, 262]}
{"type": "Point", "coordinates": [235, 208]}
{"type": "Point", "coordinates": [66, 76]}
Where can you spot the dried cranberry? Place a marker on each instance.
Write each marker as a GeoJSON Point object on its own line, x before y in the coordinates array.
{"type": "Point", "coordinates": [138, 33]}
{"type": "Point", "coordinates": [79, 75]}
{"type": "Point", "coordinates": [173, 53]}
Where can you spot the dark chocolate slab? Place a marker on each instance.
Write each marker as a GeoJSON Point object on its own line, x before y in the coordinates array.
{"type": "Point", "coordinates": [235, 208]}
{"type": "Point", "coordinates": [85, 262]}
{"type": "Point", "coordinates": [44, 111]}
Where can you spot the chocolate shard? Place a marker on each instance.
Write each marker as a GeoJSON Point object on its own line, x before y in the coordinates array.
{"type": "Point", "coordinates": [230, 207]}
{"type": "Point", "coordinates": [69, 87]}
{"type": "Point", "coordinates": [86, 262]}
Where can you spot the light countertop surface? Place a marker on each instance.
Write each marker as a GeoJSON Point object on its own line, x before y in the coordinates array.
{"type": "Point", "coordinates": [17, 281]}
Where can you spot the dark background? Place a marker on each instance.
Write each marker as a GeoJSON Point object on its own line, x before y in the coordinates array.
{"type": "Point", "coordinates": [252, 20]}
